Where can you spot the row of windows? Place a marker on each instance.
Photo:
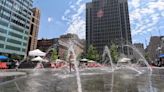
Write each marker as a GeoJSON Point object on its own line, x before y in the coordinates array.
{"type": "Point", "coordinates": [14, 41]}
{"type": "Point", "coordinates": [22, 11]}
{"type": "Point", "coordinates": [19, 17]}
{"type": "Point", "coordinates": [19, 23]}
{"type": "Point", "coordinates": [8, 10]}
{"type": "Point", "coordinates": [27, 3]}
{"type": "Point", "coordinates": [15, 35]}
{"type": "Point", "coordinates": [9, 3]}
{"type": "Point", "coordinates": [12, 48]}
{"type": "Point", "coordinates": [16, 28]}
{"type": "Point", "coordinates": [2, 15]}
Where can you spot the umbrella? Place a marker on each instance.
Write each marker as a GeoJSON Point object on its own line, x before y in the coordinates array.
{"type": "Point", "coordinates": [36, 52]}
{"type": "Point", "coordinates": [58, 60]}
{"type": "Point", "coordinates": [3, 57]}
{"type": "Point", "coordinates": [91, 61]}
{"type": "Point", "coordinates": [84, 59]}
{"type": "Point", "coordinates": [37, 59]}
{"type": "Point", "coordinates": [124, 60]}
{"type": "Point", "coordinates": [161, 56]}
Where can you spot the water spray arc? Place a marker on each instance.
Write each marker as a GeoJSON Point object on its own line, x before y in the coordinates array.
{"type": "Point", "coordinates": [72, 51]}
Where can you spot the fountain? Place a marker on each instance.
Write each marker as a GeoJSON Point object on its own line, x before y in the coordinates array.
{"type": "Point", "coordinates": [128, 65]}
{"type": "Point", "coordinates": [117, 78]}
{"type": "Point", "coordinates": [142, 57]}
{"type": "Point", "coordinates": [107, 53]}
{"type": "Point", "coordinates": [71, 51]}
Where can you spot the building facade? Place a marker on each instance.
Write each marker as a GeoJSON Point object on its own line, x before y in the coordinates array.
{"type": "Point", "coordinates": [61, 45]}
{"type": "Point", "coordinates": [107, 22]}
{"type": "Point", "coordinates": [78, 45]}
{"type": "Point", "coordinates": [140, 48]}
{"type": "Point", "coordinates": [34, 29]}
{"type": "Point", "coordinates": [155, 47]}
{"type": "Point", "coordinates": [15, 17]}
{"type": "Point", "coordinates": [45, 44]}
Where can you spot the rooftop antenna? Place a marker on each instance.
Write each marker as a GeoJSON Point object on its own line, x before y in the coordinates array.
{"type": "Point", "coordinates": [146, 42]}
{"type": "Point", "coordinates": [159, 31]}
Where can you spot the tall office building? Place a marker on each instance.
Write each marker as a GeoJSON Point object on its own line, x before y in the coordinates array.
{"type": "Point", "coordinates": [15, 17]}
{"type": "Point", "coordinates": [107, 22]}
{"type": "Point", "coordinates": [35, 21]}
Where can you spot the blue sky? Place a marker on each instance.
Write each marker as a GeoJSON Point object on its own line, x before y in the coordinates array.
{"type": "Point", "coordinates": [68, 16]}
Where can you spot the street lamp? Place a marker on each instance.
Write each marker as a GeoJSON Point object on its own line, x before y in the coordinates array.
{"type": "Point", "coordinates": [158, 51]}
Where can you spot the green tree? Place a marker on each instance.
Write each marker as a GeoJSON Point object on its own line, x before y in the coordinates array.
{"type": "Point", "coordinates": [92, 53]}
{"type": "Point", "coordinates": [114, 53]}
{"type": "Point", "coordinates": [78, 57]}
{"type": "Point", "coordinates": [54, 55]}
{"type": "Point", "coordinates": [16, 57]}
{"type": "Point", "coordinates": [65, 55]}
{"type": "Point", "coordinates": [146, 55]}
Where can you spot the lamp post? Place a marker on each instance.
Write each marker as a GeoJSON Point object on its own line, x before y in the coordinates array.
{"type": "Point", "coordinates": [158, 50]}
{"type": "Point", "coordinates": [162, 45]}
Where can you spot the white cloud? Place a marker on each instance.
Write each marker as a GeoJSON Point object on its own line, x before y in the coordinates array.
{"type": "Point", "coordinates": [145, 17]}
{"type": "Point", "coordinates": [50, 19]}
{"type": "Point", "coordinates": [75, 18]}
{"type": "Point", "coordinates": [67, 12]}
{"type": "Point", "coordinates": [162, 14]}
{"type": "Point", "coordinates": [135, 3]}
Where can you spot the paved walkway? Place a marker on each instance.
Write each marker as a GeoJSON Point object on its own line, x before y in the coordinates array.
{"type": "Point", "coordinates": [5, 74]}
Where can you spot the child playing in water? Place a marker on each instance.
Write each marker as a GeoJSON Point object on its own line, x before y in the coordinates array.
{"type": "Point", "coordinates": [71, 61]}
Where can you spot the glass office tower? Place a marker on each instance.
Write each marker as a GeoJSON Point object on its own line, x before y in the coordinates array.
{"type": "Point", "coordinates": [107, 22]}
{"type": "Point", "coordinates": [15, 18]}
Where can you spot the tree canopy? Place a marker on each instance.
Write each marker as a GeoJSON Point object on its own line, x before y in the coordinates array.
{"type": "Point", "coordinates": [92, 53]}
{"type": "Point", "coordinates": [114, 53]}
{"type": "Point", "coordinates": [54, 55]}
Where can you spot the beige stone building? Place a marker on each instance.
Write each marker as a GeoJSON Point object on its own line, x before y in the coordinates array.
{"type": "Point", "coordinates": [78, 45]}
{"type": "Point", "coordinates": [34, 29]}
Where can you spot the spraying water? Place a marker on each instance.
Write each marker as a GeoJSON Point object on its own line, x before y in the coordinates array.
{"type": "Point", "coordinates": [71, 51]}
{"type": "Point", "coordinates": [143, 58]}
{"type": "Point", "coordinates": [108, 54]}
{"type": "Point", "coordinates": [119, 64]}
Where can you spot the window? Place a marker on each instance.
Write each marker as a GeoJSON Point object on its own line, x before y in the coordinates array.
{"type": "Point", "coordinates": [24, 44]}
{"type": "Point", "coordinates": [25, 38]}
{"type": "Point", "coordinates": [3, 23]}
{"type": "Point", "coordinates": [2, 38]}
{"type": "Point", "coordinates": [3, 31]}
{"type": "Point", "coordinates": [1, 45]}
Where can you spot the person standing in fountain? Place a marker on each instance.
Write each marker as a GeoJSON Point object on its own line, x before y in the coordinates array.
{"type": "Point", "coordinates": [17, 64]}
{"type": "Point", "coordinates": [71, 61]}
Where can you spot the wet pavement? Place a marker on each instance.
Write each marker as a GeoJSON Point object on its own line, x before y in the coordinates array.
{"type": "Point", "coordinates": [48, 80]}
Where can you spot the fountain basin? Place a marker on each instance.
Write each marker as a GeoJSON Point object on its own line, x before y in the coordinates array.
{"type": "Point", "coordinates": [92, 80]}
